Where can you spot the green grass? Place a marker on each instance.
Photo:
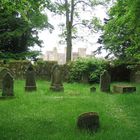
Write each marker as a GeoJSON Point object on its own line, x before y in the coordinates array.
{"type": "Point", "coordinates": [46, 115]}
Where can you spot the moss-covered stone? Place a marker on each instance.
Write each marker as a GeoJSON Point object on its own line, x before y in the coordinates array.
{"type": "Point", "coordinates": [88, 121]}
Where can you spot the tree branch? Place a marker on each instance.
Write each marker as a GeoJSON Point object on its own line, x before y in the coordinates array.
{"type": "Point", "coordinates": [72, 11]}
{"type": "Point", "coordinates": [81, 1]}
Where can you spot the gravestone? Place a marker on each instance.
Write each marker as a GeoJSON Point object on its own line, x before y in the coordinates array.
{"type": "Point", "coordinates": [7, 85]}
{"type": "Point", "coordinates": [137, 77]}
{"type": "Point", "coordinates": [3, 71]}
{"type": "Point", "coordinates": [56, 79]}
{"type": "Point", "coordinates": [30, 84]}
{"type": "Point", "coordinates": [84, 78]}
{"type": "Point", "coordinates": [105, 80]}
{"type": "Point", "coordinates": [93, 89]}
{"type": "Point", "coordinates": [123, 89]}
{"type": "Point", "coordinates": [88, 121]}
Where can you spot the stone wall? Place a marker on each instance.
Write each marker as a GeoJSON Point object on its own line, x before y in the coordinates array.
{"type": "Point", "coordinates": [18, 68]}
{"type": "Point", "coordinates": [43, 71]}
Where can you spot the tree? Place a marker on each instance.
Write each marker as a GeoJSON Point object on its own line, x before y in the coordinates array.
{"type": "Point", "coordinates": [19, 31]}
{"type": "Point", "coordinates": [72, 10]}
{"type": "Point", "coordinates": [121, 31]}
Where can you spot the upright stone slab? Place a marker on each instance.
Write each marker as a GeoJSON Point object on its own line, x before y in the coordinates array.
{"type": "Point", "coordinates": [105, 80]}
{"type": "Point", "coordinates": [3, 72]}
{"type": "Point", "coordinates": [7, 85]}
{"type": "Point", "coordinates": [93, 89]}
{"type": "Point", "coordinates": [30, 84]}
{"type": "Point", "coordinates": [56, 79]}
{"type": "Point", "coordinates": [89, 121]}
{"type": "Point", "coordinates": [137, 77]}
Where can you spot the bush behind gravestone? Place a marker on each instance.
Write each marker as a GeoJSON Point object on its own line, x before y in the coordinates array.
{"type": "Point", "coordinates": [90, 67]}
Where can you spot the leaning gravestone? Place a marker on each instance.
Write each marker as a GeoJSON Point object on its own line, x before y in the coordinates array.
{"type": "Point", "coordinates": [56, 79]}
{"type": "Point", "coordinates": [3, 71]}
{"type": "Point", "coordinates": [30, 84]}
{"type": "Point", "coordinates": [88, 121]}
{"type": "Point", "coordinates": [105, 80]}
{"type": "Point", "coordinates": [7, 85]}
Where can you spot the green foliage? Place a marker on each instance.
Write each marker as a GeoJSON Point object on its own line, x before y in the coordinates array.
{"type": "Point", "coordinates": [122, 29]}
{"type": "Point", "coordinates": [91, 67]}
{"type": "Point", "coordinates": [32, 55]}
{"type": "Point", "coordinates": [19, 25]}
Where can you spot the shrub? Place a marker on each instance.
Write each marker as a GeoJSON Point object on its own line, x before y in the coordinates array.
{"type": "Point", "coordinates": [90, 67]}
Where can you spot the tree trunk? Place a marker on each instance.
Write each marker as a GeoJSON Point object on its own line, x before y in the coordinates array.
{"type": "Point", "coordinates": [69, 22]}
{"type": "Point", "coordinates": [69, 42]}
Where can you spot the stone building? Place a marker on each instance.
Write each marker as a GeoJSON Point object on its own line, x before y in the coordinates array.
{"type": "Point", "coordinates": [55, 55]}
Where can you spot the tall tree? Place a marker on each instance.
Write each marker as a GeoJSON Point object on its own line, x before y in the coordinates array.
{"type": "Point", "coordinates": [72, 9]}
{"type": "Point", "coordinates": [19, 27]}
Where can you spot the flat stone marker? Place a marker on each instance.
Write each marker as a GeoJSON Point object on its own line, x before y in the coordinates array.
{"type": "Point", "coordinates": [105, 81]}
{"type": "Point", "coordinates": [8, 85]}
{"type": "Point", "coordinates": [56, 79]}
{"type": "Point", "coordinates": [88, 121]}
{"type": "Point", "coordinates": [30, 84]}
{"type": "Point", "coordinates": [123, 89]}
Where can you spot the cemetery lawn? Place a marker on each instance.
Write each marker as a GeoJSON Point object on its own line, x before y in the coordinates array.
{"type": "Point", "coordinates": [46, 115]}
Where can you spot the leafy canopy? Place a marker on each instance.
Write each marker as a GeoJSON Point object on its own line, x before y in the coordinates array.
{"type": "Point", "coordinates": [122, 30]}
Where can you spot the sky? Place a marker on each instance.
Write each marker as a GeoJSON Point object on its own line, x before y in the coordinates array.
{"type": "Point", "coordinates": [51, 40]}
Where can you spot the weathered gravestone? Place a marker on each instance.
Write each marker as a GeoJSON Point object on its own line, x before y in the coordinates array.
{"type": "Point", "coordinates": [30, 84]}
{"type": "Point", "coordinates": [93, 89]}
{"type": "Point", "coordinates": [137, 77]}
{"type": "Point", "coordinates": [105, 80]}
{"type": "Point", "coordinates": [8, 85]}
{"type": "Point", "coordinates": [56, 79]}
{"type": "Point", "coordinates": [3, 71]}
{"type": "Point", "coordinates": [123, 89]}
{"type": "Point", "coordinates": [85, 78]}
{"type": "Point", "coordinates": [88, 121]}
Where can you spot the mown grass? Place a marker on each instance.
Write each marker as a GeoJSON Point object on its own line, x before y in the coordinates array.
{"type": "Point", "coordinates": [46, 115]}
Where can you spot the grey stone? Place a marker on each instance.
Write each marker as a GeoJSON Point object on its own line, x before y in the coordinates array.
{"type": "Point", "coordinates": [30, 84]}
{"type": "Point", "coordinates": [89, 121]}
{"type": "Point", "coordinates": [105, 81]}
{"type": "Point", "coordinates": [123, 89]}
{"type": "Point", "coordinates": [7, 85]}
{"type": "Point", "coordinates": [56, 79]}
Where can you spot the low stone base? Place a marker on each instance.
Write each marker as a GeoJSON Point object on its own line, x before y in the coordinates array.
{"type": "Point", "coordinates": [30, 88]}
{"type": "Point", "coordinates": [57, 88]}
{"type": "Point", "coordinates": [88, 121]}
{"type": "Point", "coordinates": [123, 89]}
{"type": "Point", "coordinates": [6, 97]}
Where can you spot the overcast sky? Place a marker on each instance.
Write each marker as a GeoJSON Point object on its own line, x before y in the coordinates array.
{"type": "Point", "coordinates": [51, 40]}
